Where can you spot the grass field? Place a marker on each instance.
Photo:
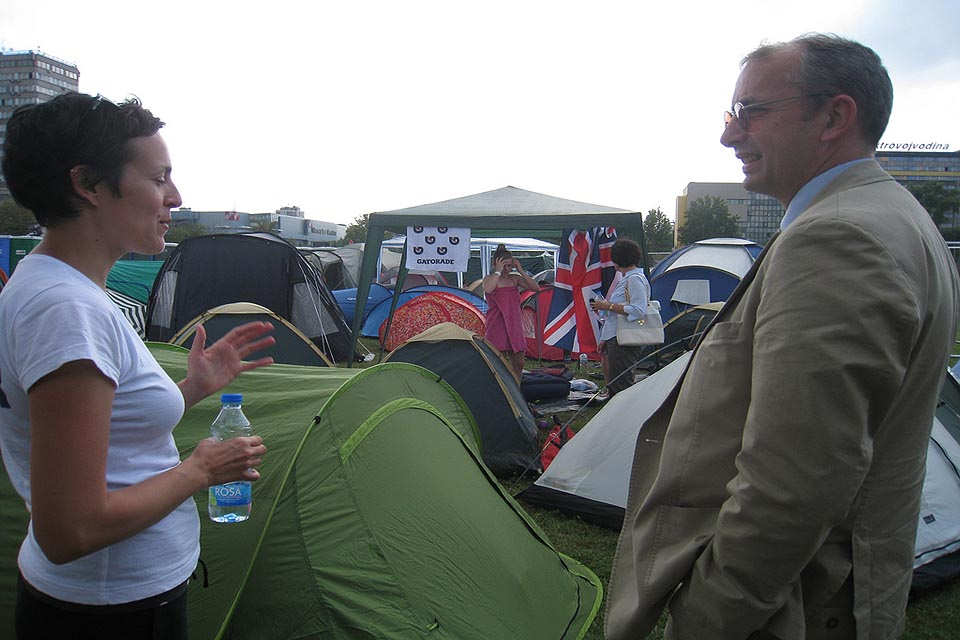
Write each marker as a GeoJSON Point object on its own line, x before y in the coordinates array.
{"type": "Point", "coordinates": [936, 616]}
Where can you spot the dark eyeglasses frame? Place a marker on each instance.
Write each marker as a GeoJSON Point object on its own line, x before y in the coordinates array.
{"type": "Point", "coordinates": [97, 101]}
{"type": "Point", "coordinates": [742, 115]}
{"type": "Point", "coordinates": [81, 130]}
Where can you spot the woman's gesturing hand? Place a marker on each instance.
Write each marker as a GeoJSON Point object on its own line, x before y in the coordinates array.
{"type": "Point", "coordinates": [211, 369]}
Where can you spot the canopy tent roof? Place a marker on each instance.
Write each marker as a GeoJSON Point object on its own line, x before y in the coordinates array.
{"type": "Point", "coordinates": [491, 213]}
{"type": "Point", "coordinates": [508, 211]}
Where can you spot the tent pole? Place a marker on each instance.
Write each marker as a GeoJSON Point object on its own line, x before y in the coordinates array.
{"type": "Point", "coordinates": [397, 289]}
{"type": "Point", "coordinates": [538, 331]}
{"type": "Point", "coordinates": [371, 258]}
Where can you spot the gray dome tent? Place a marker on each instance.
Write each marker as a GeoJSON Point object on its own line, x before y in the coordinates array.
{"type": "Point", "coordinates": [475, 370]}
{"type": "Point", "coordinates": [590, 476]}
{"type": "Point", "coordinates": [339, 266]}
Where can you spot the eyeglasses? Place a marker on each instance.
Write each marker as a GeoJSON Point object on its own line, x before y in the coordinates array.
{"type": "Point", "coordinates": [84, 132]}
{"type": "Point", "coordinates": [94, 105]}
{"type": "Point", "coordinates": [741, 112]}
{"type": "Point", "coordinates": [99, 99]}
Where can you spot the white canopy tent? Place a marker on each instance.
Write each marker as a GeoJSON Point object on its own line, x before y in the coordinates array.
{"type": "Point", "coordinates": [511, 210]}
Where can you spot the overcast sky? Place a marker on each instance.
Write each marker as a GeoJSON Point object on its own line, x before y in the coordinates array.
{"type": "Point", "coordinates": [352, 107]}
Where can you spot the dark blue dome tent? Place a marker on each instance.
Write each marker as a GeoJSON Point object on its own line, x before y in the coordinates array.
{"type": "Point", "coordinates": [700, 273]}
{"type": "Point", "coordinates": [347, 299]}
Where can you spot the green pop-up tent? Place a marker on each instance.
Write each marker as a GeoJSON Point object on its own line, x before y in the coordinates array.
{"type": "Point", "coordinates": [373, 518]}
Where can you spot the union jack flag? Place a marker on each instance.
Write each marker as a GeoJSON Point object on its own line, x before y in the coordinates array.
{"type": "Point", "coordinates": [583, 270]}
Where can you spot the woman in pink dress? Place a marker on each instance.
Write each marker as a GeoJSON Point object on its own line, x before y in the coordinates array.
{"type": "Point", "coordinates": [502, 291]}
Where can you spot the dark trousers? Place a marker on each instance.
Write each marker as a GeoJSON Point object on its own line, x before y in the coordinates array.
{"type": "Point", "coordinates": [39, 617]}
{"type": "Point", "coordinates": [620, 359]}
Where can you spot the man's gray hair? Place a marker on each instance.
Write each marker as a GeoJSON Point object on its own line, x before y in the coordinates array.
{"type": "Point", "coordinates": [832, 65]}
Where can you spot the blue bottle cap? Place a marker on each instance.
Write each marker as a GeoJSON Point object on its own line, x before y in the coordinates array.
{"type": "Point", "coordinates": [231, 398]}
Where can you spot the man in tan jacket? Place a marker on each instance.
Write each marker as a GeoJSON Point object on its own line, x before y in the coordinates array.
{"type": "Point", "coordinates": [776, 492]}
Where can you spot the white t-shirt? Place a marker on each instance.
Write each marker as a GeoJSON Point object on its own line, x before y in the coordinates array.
{"type": "Point", "coordinates": [51, 314]}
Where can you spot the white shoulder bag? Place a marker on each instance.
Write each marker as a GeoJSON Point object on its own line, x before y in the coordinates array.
{"type": "Point", "coordinates": [646, 330]}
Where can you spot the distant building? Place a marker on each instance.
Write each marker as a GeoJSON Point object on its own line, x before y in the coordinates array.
{"type": "Point", "coordinates": [917, 166]}
{"type": "Point", "coordinates": [758, 216]}
{"type": "Point", "coordinates": [30, 77]}
{"type": "Point", "coordinates": [287, 222]}
{"type": "Point", "coordinates": [911, 167]}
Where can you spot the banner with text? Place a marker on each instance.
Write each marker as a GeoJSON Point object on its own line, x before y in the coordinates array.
{"type": "Point", "coordinates": [438, 248]}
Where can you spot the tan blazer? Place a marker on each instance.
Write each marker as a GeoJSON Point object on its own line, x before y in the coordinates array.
{"type": "Point", "coordinates": [792, 451]}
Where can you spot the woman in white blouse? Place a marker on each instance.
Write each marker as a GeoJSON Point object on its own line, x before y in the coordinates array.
{"type": "Point", "coordinates": [628, 300]}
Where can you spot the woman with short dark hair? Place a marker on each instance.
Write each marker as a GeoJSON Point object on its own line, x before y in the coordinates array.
{"type": "Point", "coordinates": [86, 413]}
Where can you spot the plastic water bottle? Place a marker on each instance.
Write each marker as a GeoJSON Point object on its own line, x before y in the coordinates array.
{"type": "Point", "coordinates": [231, 502]}
{"type": "Point", "coordinates": [601, 313]}
{"type": "Point", "coordinates": [583, 361]}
